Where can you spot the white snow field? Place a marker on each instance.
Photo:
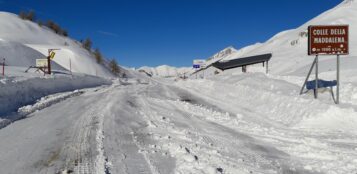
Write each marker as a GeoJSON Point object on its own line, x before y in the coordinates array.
{"type": "Point", "coordinates": [230, 123]}
{"type": "Point", "coordinates": [31, 40]}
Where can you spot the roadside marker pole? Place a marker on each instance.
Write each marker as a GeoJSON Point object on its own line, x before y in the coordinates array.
{"type": "Point", "coordinates": [70, 66]}
{"type": "Point", "coordinates": [3, 68]}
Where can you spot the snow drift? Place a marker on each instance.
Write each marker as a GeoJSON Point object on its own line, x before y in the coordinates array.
{"type": "Point", "coordinates": [20, 91]}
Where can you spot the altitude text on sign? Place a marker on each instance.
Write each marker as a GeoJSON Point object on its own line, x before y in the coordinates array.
{"type": "Point", "coordinates": [328, 40]}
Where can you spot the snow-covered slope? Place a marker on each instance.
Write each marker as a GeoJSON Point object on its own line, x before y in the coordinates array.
{"type": "Point", "coordinates": [31, 40]}
{"type": "Point", "coordinates": [289, 47]}
{"type": "Point", "coordinates": [225, 53]}
{"type": "Point", "coordinates": [165, 71]}
{"type": "Point", "coordinates": [17, 54]}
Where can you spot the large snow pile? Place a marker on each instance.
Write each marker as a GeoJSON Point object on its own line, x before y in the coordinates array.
{"type": "Point", "coordinates": [30, 41]}
{"type": "Point", "coordinates": [19, 88]}
{"type": "Point", "coordinates": [165, 71]}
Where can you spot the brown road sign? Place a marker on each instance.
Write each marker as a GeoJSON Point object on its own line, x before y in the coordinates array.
{"type": "Point", "coordinates": [328, 40]}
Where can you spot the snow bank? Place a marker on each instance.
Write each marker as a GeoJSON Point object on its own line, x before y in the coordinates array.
{"type": "Point", "coordinates": [277, 101]}
{"type": "Point", "coordinates": [16, 92]}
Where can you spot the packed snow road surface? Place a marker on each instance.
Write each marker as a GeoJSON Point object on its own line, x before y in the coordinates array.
{"type": "Point", "coordinates": [153, 127]}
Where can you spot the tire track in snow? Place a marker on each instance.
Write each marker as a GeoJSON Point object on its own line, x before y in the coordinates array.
{"type": "Point", "coordinates": [193, 134]}
{"type": "Point", "coordinates": [85, 150]}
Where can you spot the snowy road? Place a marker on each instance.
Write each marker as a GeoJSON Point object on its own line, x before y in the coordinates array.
{"type": "Point", "coordinates": [160, 128]}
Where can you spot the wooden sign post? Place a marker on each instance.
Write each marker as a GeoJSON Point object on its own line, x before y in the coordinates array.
{"type": "Point", "coordinates": [51, 55]}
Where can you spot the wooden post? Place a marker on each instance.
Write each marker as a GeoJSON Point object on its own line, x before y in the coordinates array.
{"type": "Point", "coordinates": [49, 62]}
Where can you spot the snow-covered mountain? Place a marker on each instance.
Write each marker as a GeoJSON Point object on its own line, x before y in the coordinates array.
{"type": "Point", "coordinates": [170, 71]}
{"type": "Point", "coordinates": [165, 71]}
{"type": "Point", "coordinates": [289, 48]}
{"type": "Point", "coordinates": [29, 41]}
{"type": "Point", "coordinates": [225, 53]}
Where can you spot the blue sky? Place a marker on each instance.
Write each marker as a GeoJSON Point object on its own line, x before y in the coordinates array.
{"type": "Point", "coordinates": [172, 32]}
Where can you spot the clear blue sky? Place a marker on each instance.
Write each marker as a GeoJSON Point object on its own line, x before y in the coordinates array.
{"type": "Point", "coordinates": [172, 32]}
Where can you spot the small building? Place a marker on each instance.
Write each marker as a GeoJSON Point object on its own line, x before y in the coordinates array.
{"type": "Point", "coordinates": [243, 62]}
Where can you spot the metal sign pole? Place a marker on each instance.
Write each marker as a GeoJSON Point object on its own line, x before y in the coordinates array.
{"type": "Point", "coordinates": [338, 80]}
{"type": "Point", "coordinates": [317, 77]}
{"type": "Point", "coordinates": [308, 76]}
